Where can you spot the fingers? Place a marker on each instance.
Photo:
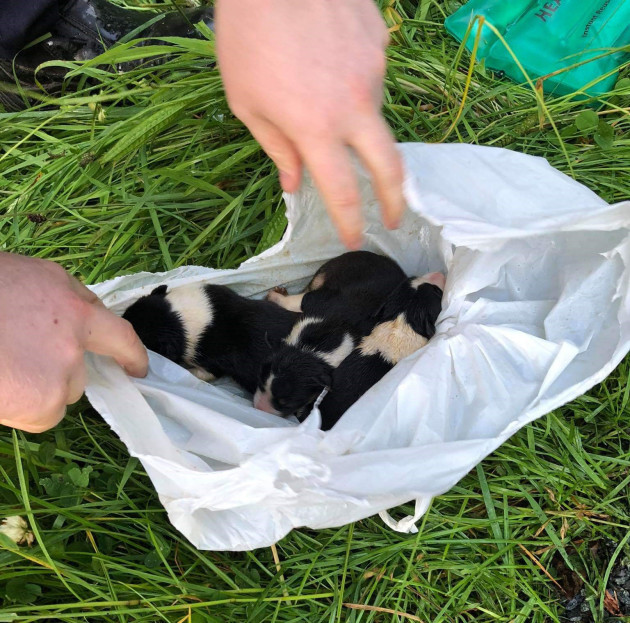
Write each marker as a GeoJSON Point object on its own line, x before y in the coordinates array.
{"type": "Point", "coordinates": [107, 334]}
{"type": "Point", "coordinates": [280, 149]}
{"type": "Point", "coordinates": [334, 175]}
{"type": "Point", "coordinates": [376, 147]}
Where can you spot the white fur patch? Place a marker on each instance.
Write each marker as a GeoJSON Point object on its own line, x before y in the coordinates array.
{"type": "Point", "coordinates": [294, 337]}
{"type": "Point", "coordinates": [393, 340]}
{"type": "Point", "coordinates": [340, 353]}
{"type": "Point", "coordinates": [195, 311]}
{"type": "Point", "coordinates": [268, 384]}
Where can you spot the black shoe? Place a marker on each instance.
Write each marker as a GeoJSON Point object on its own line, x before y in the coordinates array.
{"type": "Point", "coordinates": [85, 29]}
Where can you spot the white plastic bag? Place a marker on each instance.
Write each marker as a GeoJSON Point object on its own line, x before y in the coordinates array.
{"type": "Point", "coordinates": [536, 311]}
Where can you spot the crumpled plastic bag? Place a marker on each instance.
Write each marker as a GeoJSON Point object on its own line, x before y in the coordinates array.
{"type": "Point", "coordinates": [536, 311]}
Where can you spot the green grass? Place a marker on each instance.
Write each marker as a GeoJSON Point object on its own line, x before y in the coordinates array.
{"type": "Point", "coordinates": [148, 171]}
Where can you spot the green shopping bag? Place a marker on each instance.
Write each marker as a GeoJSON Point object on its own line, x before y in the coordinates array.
{"type": "Point", "coordinates": [550, 35]}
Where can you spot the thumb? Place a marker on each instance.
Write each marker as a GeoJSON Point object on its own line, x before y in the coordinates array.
{"type": "Point", "coordinates": [107, 334]}
{"type": "Point", "coordinates": [282, 151]}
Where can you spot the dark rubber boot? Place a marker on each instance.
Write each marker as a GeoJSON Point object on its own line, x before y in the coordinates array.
{"type": "Point", "coordinates": [85, 29]}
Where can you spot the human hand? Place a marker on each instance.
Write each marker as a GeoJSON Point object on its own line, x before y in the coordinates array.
{"type": "Point", "coordinates": [47, 320]}
{"type": "Point", "coordinates": [306, 78]}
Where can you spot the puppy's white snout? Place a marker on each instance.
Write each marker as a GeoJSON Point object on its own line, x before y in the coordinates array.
{"type": "Point", "coordinates": [262, 401]}
{"type": "Point", "coordinates": [437, 279]}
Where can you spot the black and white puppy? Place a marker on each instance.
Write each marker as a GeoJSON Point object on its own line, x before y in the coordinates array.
{"type": "Point", "coordinates": [211, 330]}
{"type": "Point", "coordinates": [352, 286]}
{"type": "Point", "coordinates": [405, 323]}
{"type": "Point", "coordinates": [344, 294]}
{"type": "Point", "coordinates": [303, 366]}
{"type": "Point", "coordinates": [348, 359]}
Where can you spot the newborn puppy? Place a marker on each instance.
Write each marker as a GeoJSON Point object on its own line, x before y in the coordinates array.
{"type": "Point", "coordinates": [348, 359]}
{"type": "Point", "coordinates": [303, 366]}
{"type": "Point", "coordinates": [211, 330]}
{"type": "Point", "coordinates": [404, 324]}
{"type": "Point", "coordinates": [352, 286]}
{"type": "Point", "coordinates": [344, 293]}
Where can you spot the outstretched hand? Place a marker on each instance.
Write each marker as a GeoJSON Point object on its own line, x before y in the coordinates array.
{"type": "Point", "coordinates": [306, 77]}
{"type": "Point", "coordinates": [47, 320]}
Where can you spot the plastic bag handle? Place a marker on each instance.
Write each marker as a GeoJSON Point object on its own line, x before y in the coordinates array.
{"type": "Point", "coordinates": [407, 524]}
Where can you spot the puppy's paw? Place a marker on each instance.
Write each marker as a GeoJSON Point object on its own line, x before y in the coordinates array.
{"type": "Point", "coordinates": [277, 295]}
{"type": "Point", "coordinates": [203, 375]}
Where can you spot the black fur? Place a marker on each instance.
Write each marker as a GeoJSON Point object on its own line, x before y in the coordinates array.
{"type": "Point", "coordinates": [345, 292]}
{"type": "Point", "coordinates": [327, 334]}
{"type": "Point", "coordinates": [243, 334]}
{"type": "Point", "coordinates": [421, 307]}
{"type": "Point", "coordinates": [356, 374]}
{"type": "Point", "coordinates": [354, 286]}
{"type": "Point", "coordinates": [158, 327]}
{"type": "Point", "coordinates": [299, 374]}
{"type": "Point", "coordinates": [299, 377]}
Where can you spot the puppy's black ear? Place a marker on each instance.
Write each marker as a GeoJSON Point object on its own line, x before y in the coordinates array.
{"type": "Point", "coordinates": [159, 328]}
{"type": "Point", "coordinates": [160, 290]}
{"type": "Point", "coordinates": [324, 378]}
{"type": "Point", "coordinates": [395, 302]}
{"type": "Point", "coordinates": [422, 313]}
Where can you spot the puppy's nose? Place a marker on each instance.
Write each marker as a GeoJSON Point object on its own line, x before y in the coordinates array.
{"type": "Point", "coordinates": [437, 279]}
{"type": "Point", "coordinates": [262, 401]}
